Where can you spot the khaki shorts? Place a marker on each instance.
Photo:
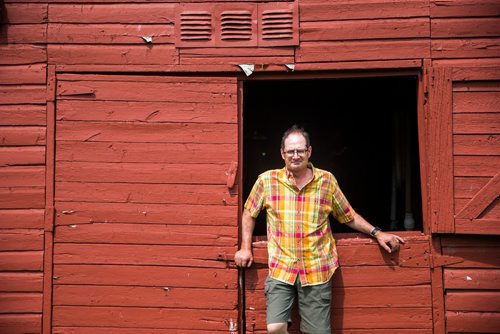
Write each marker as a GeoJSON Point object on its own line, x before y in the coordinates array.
{"type": "Point", "coordinates": [314, 304]}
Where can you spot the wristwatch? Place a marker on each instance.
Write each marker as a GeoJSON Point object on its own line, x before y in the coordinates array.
{"type": "Point", "coordinates": [375, 230]}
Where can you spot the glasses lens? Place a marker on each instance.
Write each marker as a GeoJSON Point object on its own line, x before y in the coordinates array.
{"type": "Point", "coordinates": [291, 153]}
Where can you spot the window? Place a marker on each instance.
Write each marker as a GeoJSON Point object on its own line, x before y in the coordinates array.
{"type": "Point", "coordinates": [363, 130]}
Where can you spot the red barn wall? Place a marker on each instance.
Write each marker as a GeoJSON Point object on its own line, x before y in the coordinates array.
{"type": "Point", "coordinates": [456, 44]}
{"type": "Point", "coordinates": [23, 78]}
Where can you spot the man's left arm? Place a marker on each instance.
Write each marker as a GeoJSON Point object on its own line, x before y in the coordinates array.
{"type": "Point", "coordinates": [390, 242]}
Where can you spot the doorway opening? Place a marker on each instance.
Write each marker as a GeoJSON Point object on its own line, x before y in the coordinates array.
{"type": "Point", "coordinates": [363, 130]}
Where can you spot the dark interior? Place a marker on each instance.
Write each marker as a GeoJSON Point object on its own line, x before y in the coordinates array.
{"type": "Point", "coordinates": [363, 130]}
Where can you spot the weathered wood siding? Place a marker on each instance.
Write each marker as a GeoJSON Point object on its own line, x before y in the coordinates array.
{"type": "Point", "coordinates": [374, 292]}
{"type": "Point", "coordinates": [22, 165]}
{"type": "Point", "coordinates": [472, 285]}
{"type": "Point", "coordinates": [142, 208]}
{"type": "Point", "coordinates": [145, 223]}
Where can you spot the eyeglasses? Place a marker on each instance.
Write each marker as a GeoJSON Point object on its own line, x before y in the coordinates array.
{"type": "Point", "coordinates": [291, 153]}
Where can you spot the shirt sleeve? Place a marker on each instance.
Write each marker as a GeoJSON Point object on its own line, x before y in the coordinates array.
{"type": "Point", "coordinates": [342, 210]}
{"type": "Point", "coordinates": [255, 200]}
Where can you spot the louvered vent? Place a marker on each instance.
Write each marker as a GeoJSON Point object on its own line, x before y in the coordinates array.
{"type": "Point", "coordinates": [221, 24]}
{"type": "Point", "coordinates": [236, 25]}
{"type": "Point", "coordinates": [277, 25]}
{"type": "Point", "coordinates": [195, 26]}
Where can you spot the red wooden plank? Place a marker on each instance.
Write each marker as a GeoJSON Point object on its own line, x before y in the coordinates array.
{"type": "Point", "coordinates": [22, 198]}
{"type": "Point", "coordinates": [20, 303]}
{"type": "Point", "coordinates": [112, 13]}
{"type": "Point", "coordinates": [294, 330]}
{"type": "Point", "coordinates": [476, 86]}
{"type": "Point", "coordinates": [493, 212]}
{"type": "Point", "coordinates": [362, 276]}
{"type": "Point", "coordinates": [349, 10]}
{"type": "Point", "coordinates": [136, 296]}
{"type": "Point", "coordinates": [377, 64]}
{"type": "Point", "coordinates": [159, 276]}
{"type": "Point", "coordinates": [206, 320]}
{"type": "Point", "coordinates": [153, 112]}
{"type": "Point", "coordinates": [362, 50]}
{"type": "Point", "coordinates": [476, 144]}
{"type": "Point", "coordinates": [21, 239]}
{"type": "Point", "coordinates": [237, 55]}
{"type": "Point", "coordinates": [411, 254]}
{"type": "Point", "coordinates": [48, 268]}
{"type": "Point", "coordinates": [22, 54]}
{"type": "Point", "coordinates": [469, 241]}
{"type": "Point", "coordinates": [342, 298]}
{"type": "Point", "coordinates": [482, 199]}
{"type": "Point", "coordinates": [364, 318]}
{"type": "Point", "coordinates": [20, 323]}
{"type": "Point", "coordinates": [364, 29]}
{"type": "Point", "coordinates": [467, 187]}
{"type": "Point", "coordinates": [152, 79]}
{"type": "Point", "coordinates": [21, 261]}
{"type": "Point", "coordinates": [474, 257]}
{"type": "Point", "coordinates": [22, 94]}
{"type": "Point", "coordinates": [68, 213]}
{"type": "Point", "coordinates": [21, 219]}
{"type": "Point", "coordinates": [139, 152]}
{"type": "Point", "coordinates": [16, 13]}
{"type": "Point", "coordinates": [476, 165]}
{"type": "Point", "coordinates": [488, 225]}
{"type": "Point", "coordinates": [152, 92]}
{"type": "Point", "coordinates": [474, 102]}
{"type": "Point", "coordinates": [472, 322]}
{"type": "Point", "coordinates": [147, 132]}
{"type": "Point", "coordinates": [145, 193]}
{"type": "Point", "coordinates": [115, 330]}
{"type": "Point", "coordinates": [112, 54]}
{"type": "Point", "coordinates": [109, 33]}
{"type": "Point", "coordinates": [475, 69]}
{"type": "Point", "coordinates": [464, 8]}
{"type": "Point", "coordinates": [23, 74]}
{"type": "Point", "coordinates": [423, 111]}
{"type": "Point", "coordinates": [145, 234]}
{"type": "Point", "coordinates": [477, 123]}
{"type": "Point", "coordinates": [440, 152]}
{"type": "Point", "coordinates": [25, 33]}
{"type": "Point", "coordinates": [465, 27]}
{"type": "Point", "coordinates": [472, 279]}
{"type": "Point", "coordinates": [437, 290]}
{"type": "Point", "coordinates": [400, 318]}
{"type": "Point", "coordinates": [11, 156]}
{"type": "Point", "coordinates": [22, 114]}
{"type": "Point", "coordinates": [465, 48]}
{"type": "Point", "coordinates": [486, 301]}
{"type": "Point", "coordinates": [21, 282]}
{"type": "Point", "coordinates": [19, 176]}
{"type": "Point", "coordinates": [138, 172]}
{"type": "Point", "coordinates": [239, 52]}
{"type": "Point", "coordinates": [186, 256]}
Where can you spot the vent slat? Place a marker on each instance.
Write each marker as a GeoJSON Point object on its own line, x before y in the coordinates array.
{"type": "Point", "coordinates": [196, 26]}
{"type": "Point", "coordinates": [236, 25]}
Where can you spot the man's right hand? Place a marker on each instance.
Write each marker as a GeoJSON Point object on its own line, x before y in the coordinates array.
{"type": "Point", "coordinates": [243, 258]}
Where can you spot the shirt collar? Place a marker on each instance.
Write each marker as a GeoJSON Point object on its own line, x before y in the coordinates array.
{"type": "Point", "coordinates": [287, 176]}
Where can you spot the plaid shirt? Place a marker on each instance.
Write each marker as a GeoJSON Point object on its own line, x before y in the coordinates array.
{"type": "Point", "coordinates": [300, 240]}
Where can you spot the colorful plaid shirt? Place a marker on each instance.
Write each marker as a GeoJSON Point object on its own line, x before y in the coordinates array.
{"type": "Point", "coordinates": [300, 240]}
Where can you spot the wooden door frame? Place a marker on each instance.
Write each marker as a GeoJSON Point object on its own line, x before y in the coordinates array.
{"type": "Point", "coordinates": [423, 84]}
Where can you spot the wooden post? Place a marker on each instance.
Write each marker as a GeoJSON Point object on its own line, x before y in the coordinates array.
{"type": "Point", "coordinates": [49, 202]}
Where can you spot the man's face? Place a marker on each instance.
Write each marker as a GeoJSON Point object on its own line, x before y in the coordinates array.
{"type": "Point", "coordinates": [295, 153]}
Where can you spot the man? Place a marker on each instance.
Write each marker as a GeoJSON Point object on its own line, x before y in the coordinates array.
{"type": "Point", "coordinates": [302, 253]}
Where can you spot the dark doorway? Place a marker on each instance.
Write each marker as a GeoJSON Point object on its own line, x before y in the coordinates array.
{"type": "Point", "coordinates": [363, 130]}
